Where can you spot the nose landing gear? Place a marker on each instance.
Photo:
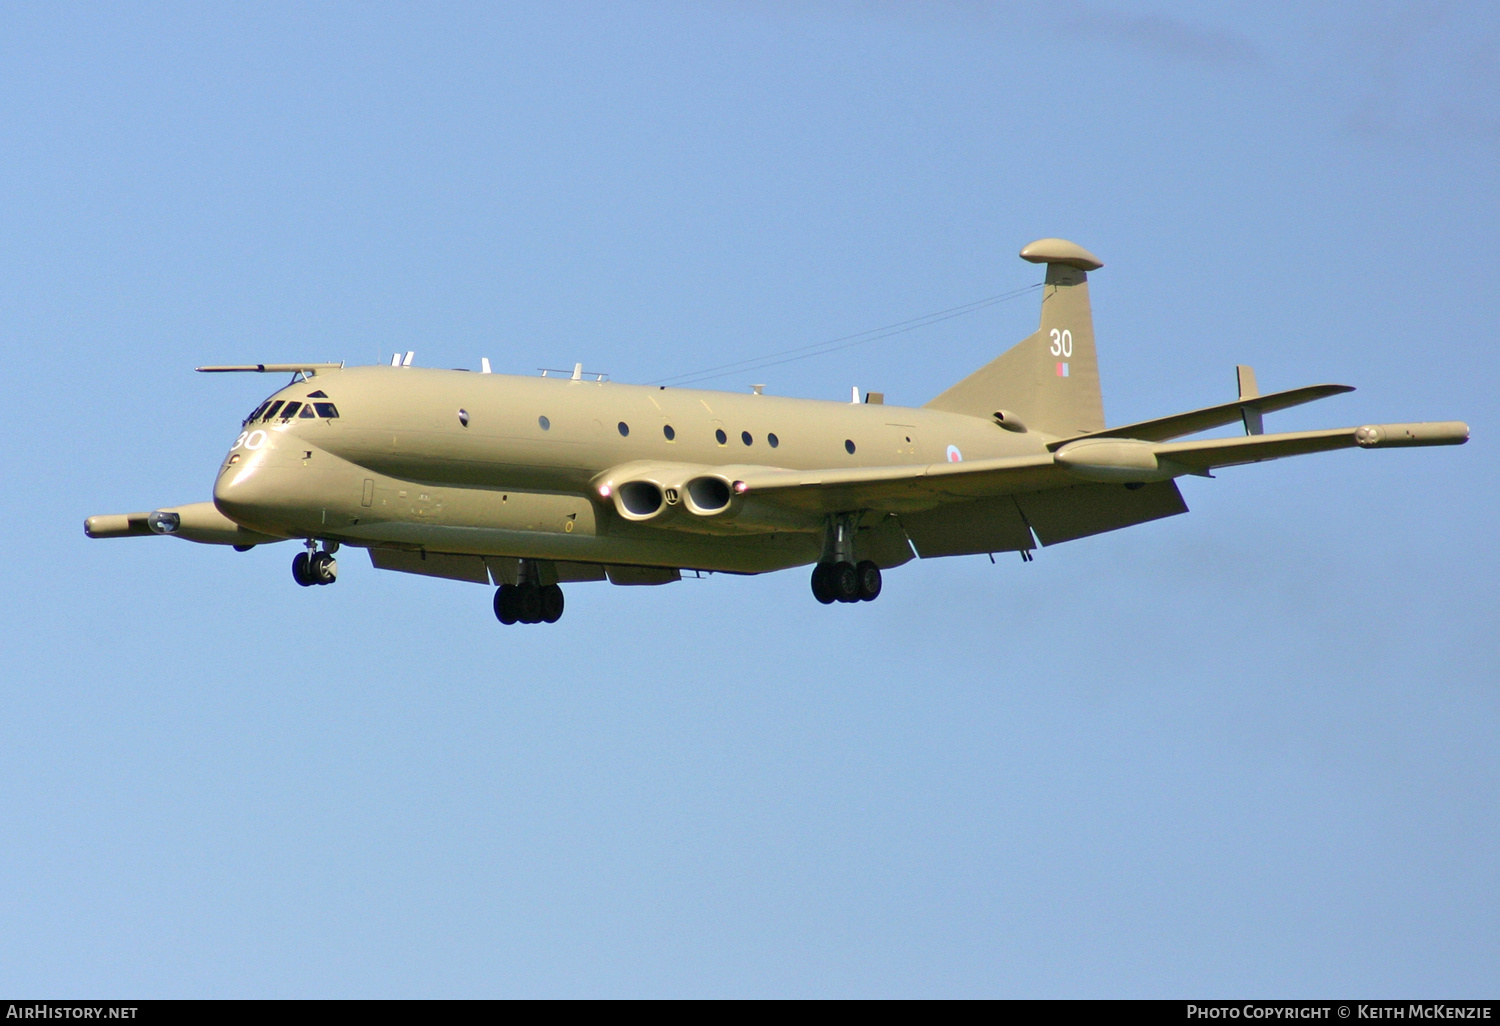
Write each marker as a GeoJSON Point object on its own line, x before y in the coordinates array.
{"type": "Point", "coordinates": [314, 566]}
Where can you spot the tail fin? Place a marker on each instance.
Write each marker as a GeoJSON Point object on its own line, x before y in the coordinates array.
{"type": "Point", "coordinates": [1049, 381]}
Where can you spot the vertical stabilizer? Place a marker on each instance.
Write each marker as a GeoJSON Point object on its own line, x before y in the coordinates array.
{"type": "Point", "coordinates": [1049, 380]}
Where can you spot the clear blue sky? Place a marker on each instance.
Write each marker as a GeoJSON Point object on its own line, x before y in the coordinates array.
{"type": "Point", "coordinates": [1247, 751]}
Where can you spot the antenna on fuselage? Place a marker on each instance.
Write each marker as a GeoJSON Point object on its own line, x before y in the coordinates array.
{"type": "Point", "coordinates": [484, 365]}
{"type": "Point", "coordinates": [406, 361]}
{"type": "Point", "coordinates": [854, 393]}
{"type": "Point", "coordinates": [395, 359]}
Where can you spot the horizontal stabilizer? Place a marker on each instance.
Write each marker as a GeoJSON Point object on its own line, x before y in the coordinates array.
{"type": "Point", "coordinates": [1179, 424]}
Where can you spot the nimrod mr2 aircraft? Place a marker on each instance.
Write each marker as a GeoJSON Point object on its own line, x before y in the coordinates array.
{"type": "Point", "coordinates": [528, 483]}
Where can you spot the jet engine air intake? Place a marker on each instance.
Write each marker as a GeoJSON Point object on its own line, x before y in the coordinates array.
{"type": "Point", "coordinates": [708, 495]}
{"type": "Point", "coordinates": [639, 500]}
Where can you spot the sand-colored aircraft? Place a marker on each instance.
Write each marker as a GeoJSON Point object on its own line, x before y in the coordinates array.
{"type": "Point", "coordinates": [528, 483]}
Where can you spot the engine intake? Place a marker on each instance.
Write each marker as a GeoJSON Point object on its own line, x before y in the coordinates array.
{"type": "Point", "coordinates": [708, 495]}
{"type": "Point", "coordinates": [639, 500]}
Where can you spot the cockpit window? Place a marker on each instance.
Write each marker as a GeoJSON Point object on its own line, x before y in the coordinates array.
{"type": "Point", "coordinates": [271, 410]}
{"type": "Point", "coordinates": [319, 394]}
{"type": "Point", "coordinates": [327, 410]}
{"type": "Point", "coordinates": [307, 412]}
{"type": "Point", "coordinates": [258, 411]}
{"type": "Point", "coordinates": [290, 411]}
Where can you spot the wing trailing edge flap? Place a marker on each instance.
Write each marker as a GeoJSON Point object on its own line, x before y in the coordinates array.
{"type": "Point", "coordinates": [480, 569]}
{"type": "Point", "coordinates": [1079, 510]}
{"type": "Point", "coordinates": [1019, 523]}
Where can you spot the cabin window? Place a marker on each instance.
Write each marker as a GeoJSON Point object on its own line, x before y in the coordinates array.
{"type": "Point", "coordinates": [307, 412]}
{"type": "Point", "coordinates": [463, 415]}
{"type": "Point", "coordinates": [721, 436]}
{"type": "Point", "coordinates": [746, 438]}
{"type": "Point", "coordinates": [667, 430]}
{"type": "Point", "coordinates": [327, 410]}
{"type": "Point", "coordinates": [290, 411]}
{"type": "Point", "coordinates": [772, 441]}
{"type": "Point", "coordinates": [849, 446]}
{"type": "Point", "coordinates": [545, 423]}
{"type": "Point", "coordinates": [271, 410]}
{"type": "Point", "coordinates": [624, 429]}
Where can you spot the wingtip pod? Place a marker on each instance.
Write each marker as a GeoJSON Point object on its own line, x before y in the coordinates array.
{"type": "Point", "coordinates": [1394, 436]}
{"type": "Point", "coordinates": [1061, 251]}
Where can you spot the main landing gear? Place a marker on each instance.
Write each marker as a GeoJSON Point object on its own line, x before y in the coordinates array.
{"type": "Point", "coordinates": [846, 582]}
{"type": "Point", "coordinates": [529, 601]}
{"type": "Point", "coordinates": [314, 566]}
{"type": "Point", "coordinates": [837, 577]}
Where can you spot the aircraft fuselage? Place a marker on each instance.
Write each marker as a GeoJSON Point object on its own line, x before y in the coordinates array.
{"type": "Point", "coordinates": [505, 465]}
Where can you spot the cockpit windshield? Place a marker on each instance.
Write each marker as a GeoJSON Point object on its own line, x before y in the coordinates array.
{"type": "Point", "coordinates": [283, 410]}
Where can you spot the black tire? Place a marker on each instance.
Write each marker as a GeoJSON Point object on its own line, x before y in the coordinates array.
{"type": "Point", "coordinates": [869, 580]}
{"type": "Point", "coordinates": [821, 589]}
{"type": "Point", "coordinates": [529, 603]}
{"type": "Point", "coordinates": [300, 572]}
{"type": "Point", "coordinates": [844, 581]}
{"type": "Point", "coordinates": [552, 604]}
{"type": "Point", "coordinates": [323, 568]}
{"type": "Point", "coordinates": [505, 604]}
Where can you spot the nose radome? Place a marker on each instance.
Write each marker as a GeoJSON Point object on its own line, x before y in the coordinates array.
{"type": "Point", "coordinates": [243, 492]}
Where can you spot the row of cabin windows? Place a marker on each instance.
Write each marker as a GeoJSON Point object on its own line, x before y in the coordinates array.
{"type": "Point", "coordinates": [671, 433]}
{"type": "Point", "coordinates": [286, 411]}
{"type": "Point", "coordinates": [719, 435]}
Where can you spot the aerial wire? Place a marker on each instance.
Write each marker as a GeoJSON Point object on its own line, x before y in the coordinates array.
{"type": "Point", "coordinates": [833, 345]}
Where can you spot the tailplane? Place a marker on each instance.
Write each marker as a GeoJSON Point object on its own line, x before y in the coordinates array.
{"type": "Point", "coordinates": [1049, 381]}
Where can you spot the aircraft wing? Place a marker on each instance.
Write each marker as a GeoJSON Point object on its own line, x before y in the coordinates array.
{"type": "Point", "coordinates": [1204, 455]}
{"type": "Point", "coordinates": [898, 489]}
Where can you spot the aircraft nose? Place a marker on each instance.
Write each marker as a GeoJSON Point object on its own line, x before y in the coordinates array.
{"type": "Point", "coordinates": [243, 493]}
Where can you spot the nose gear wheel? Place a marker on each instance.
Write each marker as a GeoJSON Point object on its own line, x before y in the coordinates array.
{"type": "Point", "coordinates": [315, 567]}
